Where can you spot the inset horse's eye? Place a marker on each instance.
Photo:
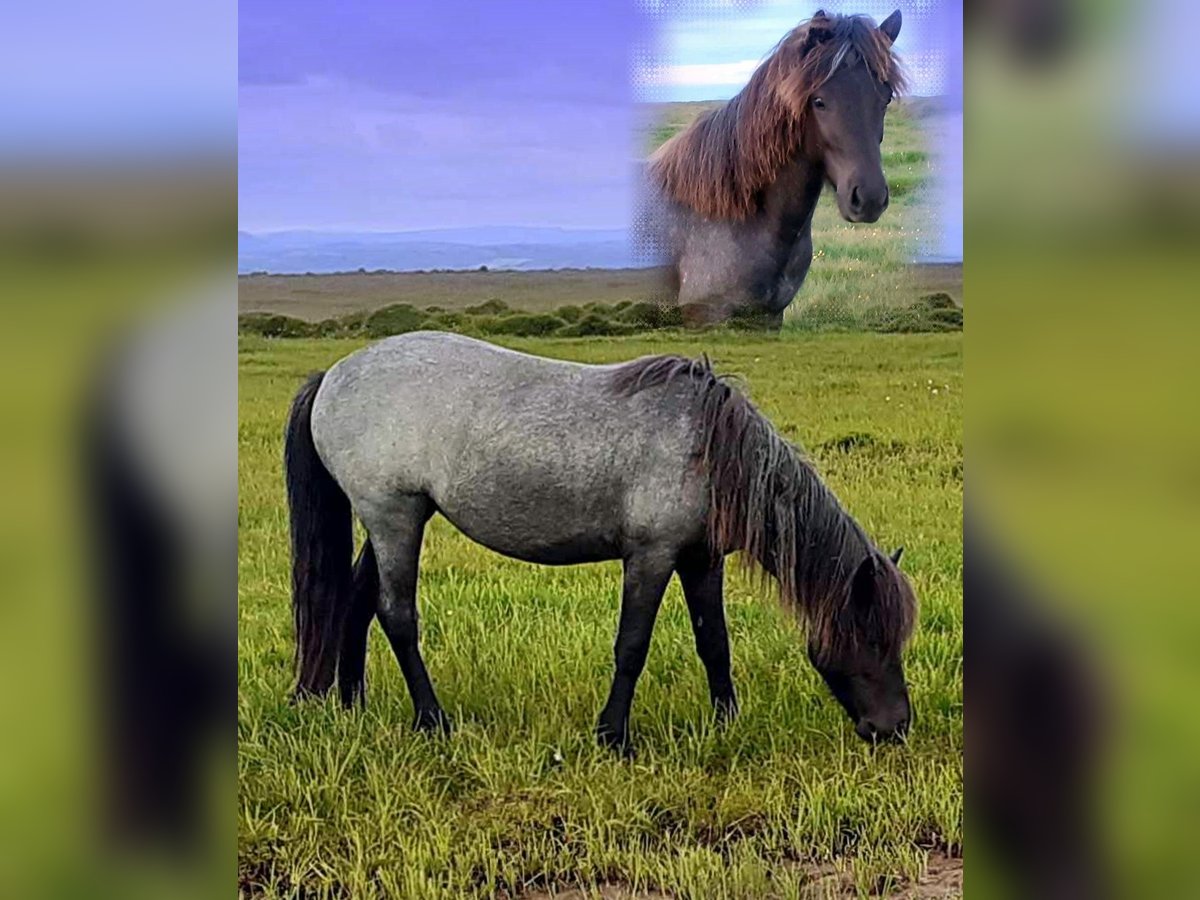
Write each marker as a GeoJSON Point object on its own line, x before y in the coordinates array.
{"type": "Point", "coordinates": [818, 103]}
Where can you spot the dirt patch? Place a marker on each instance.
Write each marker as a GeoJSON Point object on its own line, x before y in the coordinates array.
{"type": "Point", "coordinates": [942, 880]}
{"type": "Point", "coordinates": [604, 892]}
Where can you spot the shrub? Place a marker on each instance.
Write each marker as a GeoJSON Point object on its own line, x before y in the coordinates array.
{"type": "Point", "coordinates": [336, 328]}
{"type": "Point", "coordinates": [569, 313]}
{"type": "Point", "coordinates": [940, 300]}
{"type": "Point", "coordinates": [652, 315]}
{"type": "Point", "coordinates": [350, 325]}
{"type": "Point", "coordinates": [596, 325]}
{"type": "Point", "coordinates": [933, 312]}
{"type": "Point", "coordinates": [488, 308]}
{"type": "Point", "coordinates": [448, 321]}
{"type": "Point", "coordinates": [478, 325]}
{"type": "Point", "coordinates": [395, 319]}
{"type": "Point", "coordinates": [526, 324]}
{"type": "Point", "coordinates": [274, 325]}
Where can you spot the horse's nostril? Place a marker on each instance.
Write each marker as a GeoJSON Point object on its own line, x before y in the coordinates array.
{"type": "Point", "coordinates": [871, 731]}
{"type": "Point", "coordinates": [855, 199]}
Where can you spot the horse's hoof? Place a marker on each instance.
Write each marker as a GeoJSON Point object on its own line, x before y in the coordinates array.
{"type": "Point", "coordinates": [616, 741]}
{"type": "Point", "coordinates": [433, 721]}
{"type": "Point", "coordinates": [726, 709]}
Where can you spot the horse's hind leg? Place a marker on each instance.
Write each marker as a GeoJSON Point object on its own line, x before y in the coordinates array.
{"type": "Point", "coordinates": [703, 587]}
{"type": "Point", "coordinates": [396, 535]}
{"type": "Point", "coordinates": [352, 657]}
{"type": "Point", "coordinates": [646, 578]}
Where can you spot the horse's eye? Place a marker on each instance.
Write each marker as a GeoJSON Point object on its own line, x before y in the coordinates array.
{"type": "Point", "coordinates": [818, 103]}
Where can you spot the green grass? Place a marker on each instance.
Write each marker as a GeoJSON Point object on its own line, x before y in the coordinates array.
{"type": "Point", "coordinates": [354, 804]}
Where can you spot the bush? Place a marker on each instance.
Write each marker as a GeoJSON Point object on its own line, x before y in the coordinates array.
{"type": "Point", "coordinates": [329, 328]}
{"type": "Point", "coordinates": [350, 325]}
{"type": "Point", "coordinates": [273, 325]}
{"type": "Point", "coordinates": [478, 325]}
{"type": "Point", "coordinates": [652, 315]}
{"type": "Point", "coordinates": [488, 308]}
{"type": "Point", "coordinates": [395, 319]}
{"type": "Point", "coordinates": [526, 324]}
{"type": "Point", "coordinates": [933, 312]}
{"type": "Point", "coordinates": [444, 321]}
{"type": "Point", "coordinates": [596, 325]}
{"type": "Point", "coordinates": [569, 313]}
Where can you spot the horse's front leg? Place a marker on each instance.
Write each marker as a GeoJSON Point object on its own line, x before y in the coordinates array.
{"type": "Point", "coordinates": [646, 578]}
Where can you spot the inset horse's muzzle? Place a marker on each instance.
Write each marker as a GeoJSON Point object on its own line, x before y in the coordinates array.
{"type": "Point", "coordinates": [866, 205]}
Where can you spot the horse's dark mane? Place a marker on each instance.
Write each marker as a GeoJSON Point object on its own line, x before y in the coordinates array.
{"type": "Point", "coordinates": [720, 164]}
{"type": "Point", "coordinates": [767, 500]}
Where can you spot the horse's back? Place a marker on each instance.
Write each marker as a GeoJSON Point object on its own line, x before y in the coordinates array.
{"type": "Point", "coordinates": [538, 458]}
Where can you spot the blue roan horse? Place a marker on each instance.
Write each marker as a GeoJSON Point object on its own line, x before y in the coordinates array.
{"type": "Point", "coordinates": [655, 462]}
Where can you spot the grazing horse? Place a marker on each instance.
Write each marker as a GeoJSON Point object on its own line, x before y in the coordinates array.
{"type": "Point", "coordinates": [728, 202]}
{"type": "Point", "coordinates": [655, 462]}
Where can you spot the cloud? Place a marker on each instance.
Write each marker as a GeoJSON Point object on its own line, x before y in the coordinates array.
{"type": "Point", "coordinates": [688, 74]}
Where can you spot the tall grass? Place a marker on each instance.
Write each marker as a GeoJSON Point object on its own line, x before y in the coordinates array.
{"type": "Point", "coordinates": [354, 804]}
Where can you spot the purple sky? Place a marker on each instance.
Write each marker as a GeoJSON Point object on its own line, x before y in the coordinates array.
{"type": "Point", "coordinates": [406, 114]}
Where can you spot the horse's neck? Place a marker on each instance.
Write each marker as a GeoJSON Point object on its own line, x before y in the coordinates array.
{"type": "Point", "coordinates": [789, 202]}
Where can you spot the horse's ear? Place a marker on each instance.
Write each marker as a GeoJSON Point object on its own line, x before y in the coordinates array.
{"type": "Point", "coordinates": [818, 29]}
{"type": "Point", "coordinates": [897, 554]}
{"type": "Point", "coordinates": [891, 26]}
{"type": "Point", "coordinates": [862, 585]}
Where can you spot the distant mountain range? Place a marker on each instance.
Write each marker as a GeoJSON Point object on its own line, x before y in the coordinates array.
{"type": "Point", "coordinates": [497, 247]}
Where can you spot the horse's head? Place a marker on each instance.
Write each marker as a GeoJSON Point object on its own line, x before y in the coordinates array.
{"type": "Point", "coordinates": [857, 649]}
{"type": "Point", "coordinates": [842, 79]}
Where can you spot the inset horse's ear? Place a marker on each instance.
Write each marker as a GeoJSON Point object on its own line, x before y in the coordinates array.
{"type": "Point", "coordinates": [891, 26]}
{"type": "Point", "coordinates": [896, 555]}
{"type": "Point", "coordinates": [818, 29]}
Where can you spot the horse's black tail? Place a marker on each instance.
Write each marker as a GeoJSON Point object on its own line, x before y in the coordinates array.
{"type": "Point", "coordinates": [322, 548]}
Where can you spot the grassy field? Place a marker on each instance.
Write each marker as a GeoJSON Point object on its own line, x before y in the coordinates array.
{"type": "Point", "coordinates": [519, 802]}
{"type": "Point", "coordinates": [859, 271]}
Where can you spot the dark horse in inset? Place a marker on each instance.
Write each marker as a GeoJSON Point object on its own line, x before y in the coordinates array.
{"type": "Point", "coordinates": [729, 201]}
{"type": "Point", "coordinates": [655, 462]}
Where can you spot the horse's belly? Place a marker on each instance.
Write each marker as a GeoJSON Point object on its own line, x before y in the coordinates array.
{"type": "Point", "coordinates": [536, 525]}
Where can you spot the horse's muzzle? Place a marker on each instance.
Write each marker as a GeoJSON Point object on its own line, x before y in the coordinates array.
{"type": "Point", "coordinates": [865, 206]}
{"type": "Point", "coordinates": [882, 732]}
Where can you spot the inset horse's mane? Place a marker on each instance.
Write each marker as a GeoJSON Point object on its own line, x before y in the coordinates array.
{"type": "Point", "coordinates": [767, 500]}
{"type": "Point", "coordinates": [720, 163]}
